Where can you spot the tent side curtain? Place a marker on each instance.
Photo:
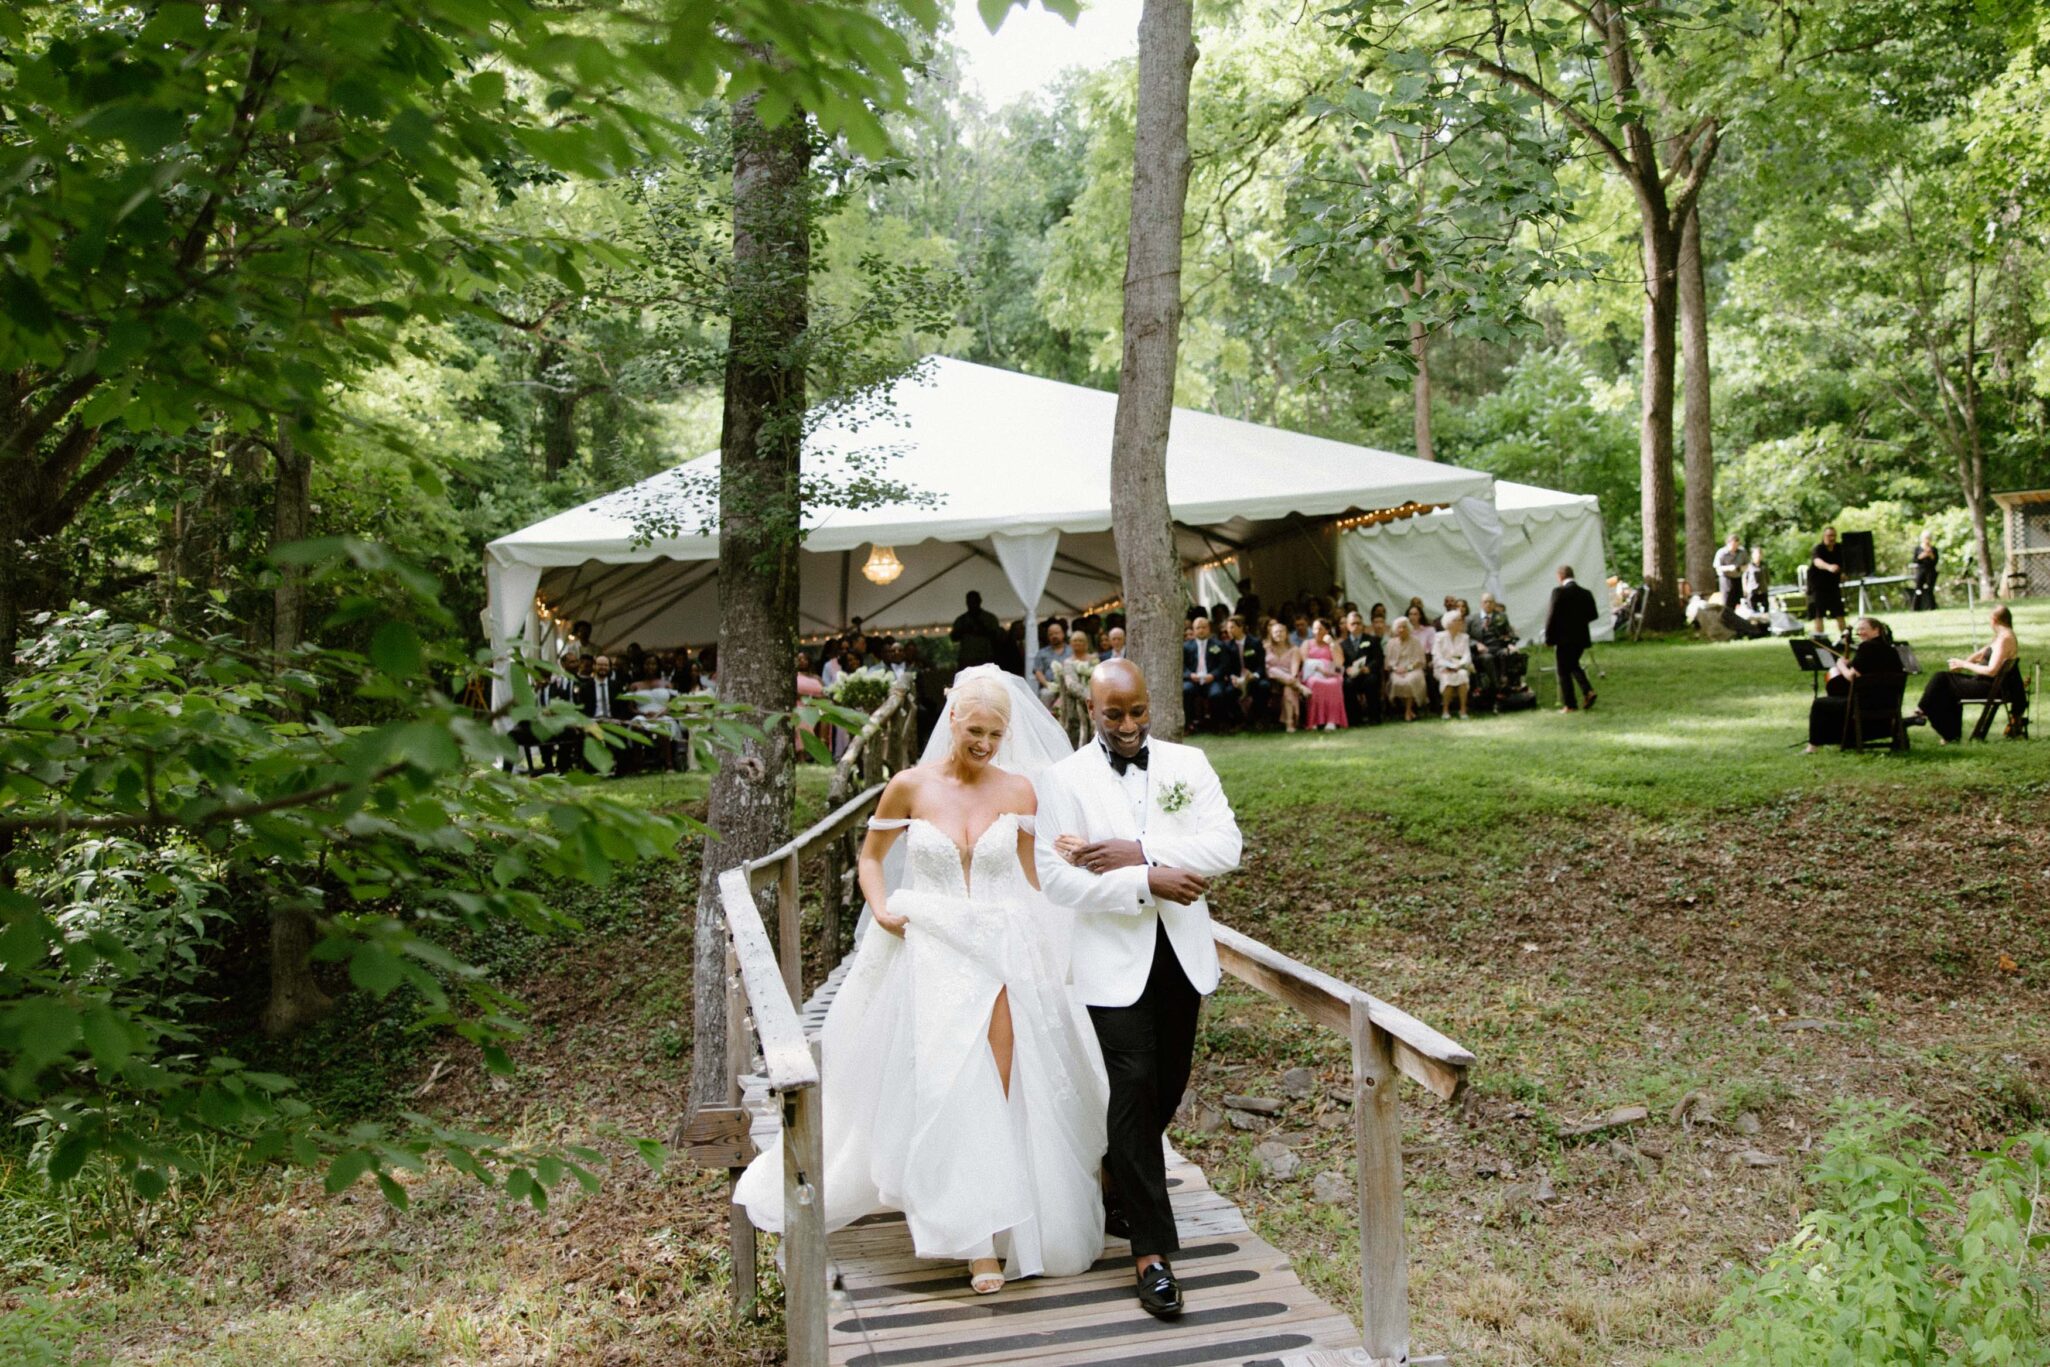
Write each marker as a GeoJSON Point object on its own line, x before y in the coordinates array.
{"type": "Point", "coordinates": [509, 618]}
{"type": "Point", "coordinates": [1431, 556]}
{"type": "Point", "coordinates": [1027, 560]}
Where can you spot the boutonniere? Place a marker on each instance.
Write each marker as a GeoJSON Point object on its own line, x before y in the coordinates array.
{"type": "Point", "coordinates": [1174, 797]}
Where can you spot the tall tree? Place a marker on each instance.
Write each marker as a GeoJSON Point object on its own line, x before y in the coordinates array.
{"type": "Point", "coordinates": [1587, 64]}
{"type": "Point", "coordinates": [1141, 519]}
{"type": "Point", "coordinates": [760, 444]}
{"type": "Point", "coordinates": [1697, 433]}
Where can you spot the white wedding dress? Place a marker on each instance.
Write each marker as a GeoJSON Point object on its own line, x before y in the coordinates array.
{"type": "Point", "coordinates": [914, 1109]}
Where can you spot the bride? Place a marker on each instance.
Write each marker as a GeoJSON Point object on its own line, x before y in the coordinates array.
{"type": "Point", "coordinates": [961, 1083]}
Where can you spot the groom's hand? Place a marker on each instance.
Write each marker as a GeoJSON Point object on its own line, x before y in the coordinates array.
{"type": "Point", "coordinates": [1176, 885]}
{"type": "Point", "coordinates": [1105, 855]}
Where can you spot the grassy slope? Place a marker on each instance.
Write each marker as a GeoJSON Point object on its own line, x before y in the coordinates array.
{"type": "Point", "coordinates": [1623, 906]}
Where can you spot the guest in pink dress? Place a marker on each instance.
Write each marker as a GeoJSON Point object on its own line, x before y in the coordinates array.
{"type": "Point", "coordinates": [1284, 669]}
{"type": "Point", "coordinates": [1320, 673]}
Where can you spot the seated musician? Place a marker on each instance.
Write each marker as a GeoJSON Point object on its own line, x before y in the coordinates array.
{"type": "Point", "coordinates": [1943, 700]}
{"type": "Point", "coordinates": [1875, 656]}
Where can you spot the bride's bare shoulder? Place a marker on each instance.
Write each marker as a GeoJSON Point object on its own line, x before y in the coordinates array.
{"type": "Point", "coordinates": [900, 794]}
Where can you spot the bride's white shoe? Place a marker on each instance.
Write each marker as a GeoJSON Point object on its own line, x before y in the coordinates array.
{"type": "Point", "coordinates": [986, 1283]}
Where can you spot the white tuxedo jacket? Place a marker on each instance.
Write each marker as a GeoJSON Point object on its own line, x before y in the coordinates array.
{"type": "Point", "coordinates": [1115, 914]}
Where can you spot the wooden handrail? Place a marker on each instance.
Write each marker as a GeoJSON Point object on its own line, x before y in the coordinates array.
{"type": "Point", "coordinates": [1422, 1054]}
{"type": "Point", "coordinates": [1386, 1042]}
{"type": "Point", "coordinates": [786, 1054]}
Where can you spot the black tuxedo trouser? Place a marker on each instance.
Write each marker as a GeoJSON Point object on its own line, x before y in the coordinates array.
{"type": "Point", "coordinates": [1570, 673]}
{"type": "Point", "coordinates": [1147, 1050]}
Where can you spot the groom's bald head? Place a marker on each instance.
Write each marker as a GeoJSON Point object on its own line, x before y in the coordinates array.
{"type": "Point", "coordinates": [1120, 705]}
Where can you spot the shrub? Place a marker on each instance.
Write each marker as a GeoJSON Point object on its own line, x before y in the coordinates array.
{"type": "Point", "coordinates": [1891, 1268]}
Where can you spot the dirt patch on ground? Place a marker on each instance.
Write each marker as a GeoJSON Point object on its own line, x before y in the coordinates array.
{"type": "Point", "coordinates": [1738, 981]}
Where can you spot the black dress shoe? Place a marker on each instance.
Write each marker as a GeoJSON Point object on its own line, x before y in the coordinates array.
{"type": "Point", "coordinates": [1160, 1295]}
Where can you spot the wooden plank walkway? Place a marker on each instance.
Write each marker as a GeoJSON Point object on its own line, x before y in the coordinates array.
{"type": "Point", "coordinates": [890, 1308]}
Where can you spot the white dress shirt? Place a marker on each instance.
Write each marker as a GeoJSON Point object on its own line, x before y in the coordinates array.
{"type": "Point", "coordinates": [1137, 787]}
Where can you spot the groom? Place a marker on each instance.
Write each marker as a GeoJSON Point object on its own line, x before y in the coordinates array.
{"type": "Point", "coordinates": [1131, 834]}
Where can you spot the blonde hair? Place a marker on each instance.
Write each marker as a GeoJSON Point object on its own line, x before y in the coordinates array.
{"type": "Point", "coordinates": [983, 691]}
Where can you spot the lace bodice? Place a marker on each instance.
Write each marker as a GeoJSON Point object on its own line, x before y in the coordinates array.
{"type": "Point", "coordinates": [935, 863]}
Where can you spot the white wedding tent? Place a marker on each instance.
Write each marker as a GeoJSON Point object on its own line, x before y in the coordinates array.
{"type": "Point", "coordinates": [1429, 557]}
{"type": "Point", "coordinates": [1009, 480]}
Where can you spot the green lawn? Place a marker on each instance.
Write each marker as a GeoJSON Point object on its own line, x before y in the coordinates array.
{"type": "Point", "coordinates": [1683, 727]}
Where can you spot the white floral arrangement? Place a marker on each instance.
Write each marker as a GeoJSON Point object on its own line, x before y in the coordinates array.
{"type": "Point", "coordinates": [1174, 797]}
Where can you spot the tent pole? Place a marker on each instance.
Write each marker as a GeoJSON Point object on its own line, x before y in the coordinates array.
{"type": "Point", "coordinates": [846, 577]}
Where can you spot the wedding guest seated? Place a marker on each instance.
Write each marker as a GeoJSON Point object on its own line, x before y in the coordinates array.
{"type": "Point", "coordinates": [1114, 643]}
{"type": "Point", "coordinates": [1251, 681]}
{"type": "Point", "coordinates": [1970, 678]}
{"type": "Point", "coordinates": [1075, 672]}
{"type": "Point", "coordinates": [1363, 659]}
{"type": "Point", "coordinates": [1452, 662]}
{"type": "Point", "coordinates": [1426, 635]}
{"type": "Point", "coordinates": [1207, 667]}
{"type": "Point", "coordinates": [1299, 630]}
{"type": "Point", "coordinates": [1621, 595]}
{"type": "Point", "coordinates": [1285, 673]}
{"type": "Point", "coordinates": [1046, 662]}
{"type": "Point", "coordinates": [651, 696]}
{"type": "Point", "coordinates": [1876, 658]}
{"type": "Point", "coordinates": [1494, 641]}
{"type": "Point", "coordinates": [1405, 658]}
{"type": "Point", "coordinates": [1324, 678]}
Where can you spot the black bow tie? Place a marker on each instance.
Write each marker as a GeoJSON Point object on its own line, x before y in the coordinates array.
{"type": "Point", "coordinates": [1119, 763]}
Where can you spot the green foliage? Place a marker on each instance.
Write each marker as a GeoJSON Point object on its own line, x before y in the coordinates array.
{"type": "Point", "coordinates": [156, 788]}
{"type": "Point", "coordinates": [1892, 1268]}
{"type": "Point", "coordinates": [1556, 424]}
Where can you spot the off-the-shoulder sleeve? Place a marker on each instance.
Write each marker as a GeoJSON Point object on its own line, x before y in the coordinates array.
{"type": "Point", "coordinates": [898, 823]}
{"type": "Point", "coordinates": [1028, 823]}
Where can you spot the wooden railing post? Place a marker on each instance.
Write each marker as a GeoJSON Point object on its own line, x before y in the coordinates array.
{"type": "Point", "coordinates": [1377, 1125]}
{"type": "Point", "coordinates": [739, 1054]}
{"type": "Point", "coordinates": [789, 949]}
{"type": "Point", "coordinates": [804, 1229]}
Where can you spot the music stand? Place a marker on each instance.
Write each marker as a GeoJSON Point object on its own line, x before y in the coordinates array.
{"type": "Point", "coordinates": [1814, 657]}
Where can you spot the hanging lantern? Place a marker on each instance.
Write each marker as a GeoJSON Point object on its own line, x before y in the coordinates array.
{"type": "Point", "coordinates": [883, 566]}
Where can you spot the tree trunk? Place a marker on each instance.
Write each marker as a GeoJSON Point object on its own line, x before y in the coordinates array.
{"type": "Point", "coordinates": [558, 413]}
{"type": "Point", "coordinates": [1141, 520]}
{"type": "Point", "coordinates": [296, 1000]}
{"type": "Point", "coordinates": [1662, 606]}
{"type": "Point", "coordinates": [1420, 391]}
{"type": "Point", "coordinates": [759, 447]}
{"type": "Point", "coordinates": [1698, 439]}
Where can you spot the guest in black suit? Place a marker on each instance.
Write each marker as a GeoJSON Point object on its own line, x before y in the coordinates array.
{"type": "Point", "coordinates": [1567, 621]}
{"type": "Point", "coordinates": [1248, 606]}
{"type": "Point", "coordinates": [1250, 682]}
{"type": "Point", "coordinates": [977, 633]}
{"type": "Point", "coordinates": [1826, 583]}
{"type": "Point", "coordinates": [1876, 657]}
{"type": "Point", "coordinates": [601, 697]}
{"type": "Point", "coordinates": [1208, 665]}
{"type": "Point", "coordinates": [1363, 669]}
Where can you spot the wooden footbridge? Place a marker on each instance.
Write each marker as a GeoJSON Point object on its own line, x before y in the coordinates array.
{"type": "Point", "coordinates": [861, 1298]}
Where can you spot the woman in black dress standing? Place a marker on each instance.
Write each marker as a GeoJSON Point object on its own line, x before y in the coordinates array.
{"type": "Point", "coordinates": [1826, 583]}
{"type": "Point", "coordinates": [1874, 658]}
{"type": "Point", "coordinates": [1925, 574]}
